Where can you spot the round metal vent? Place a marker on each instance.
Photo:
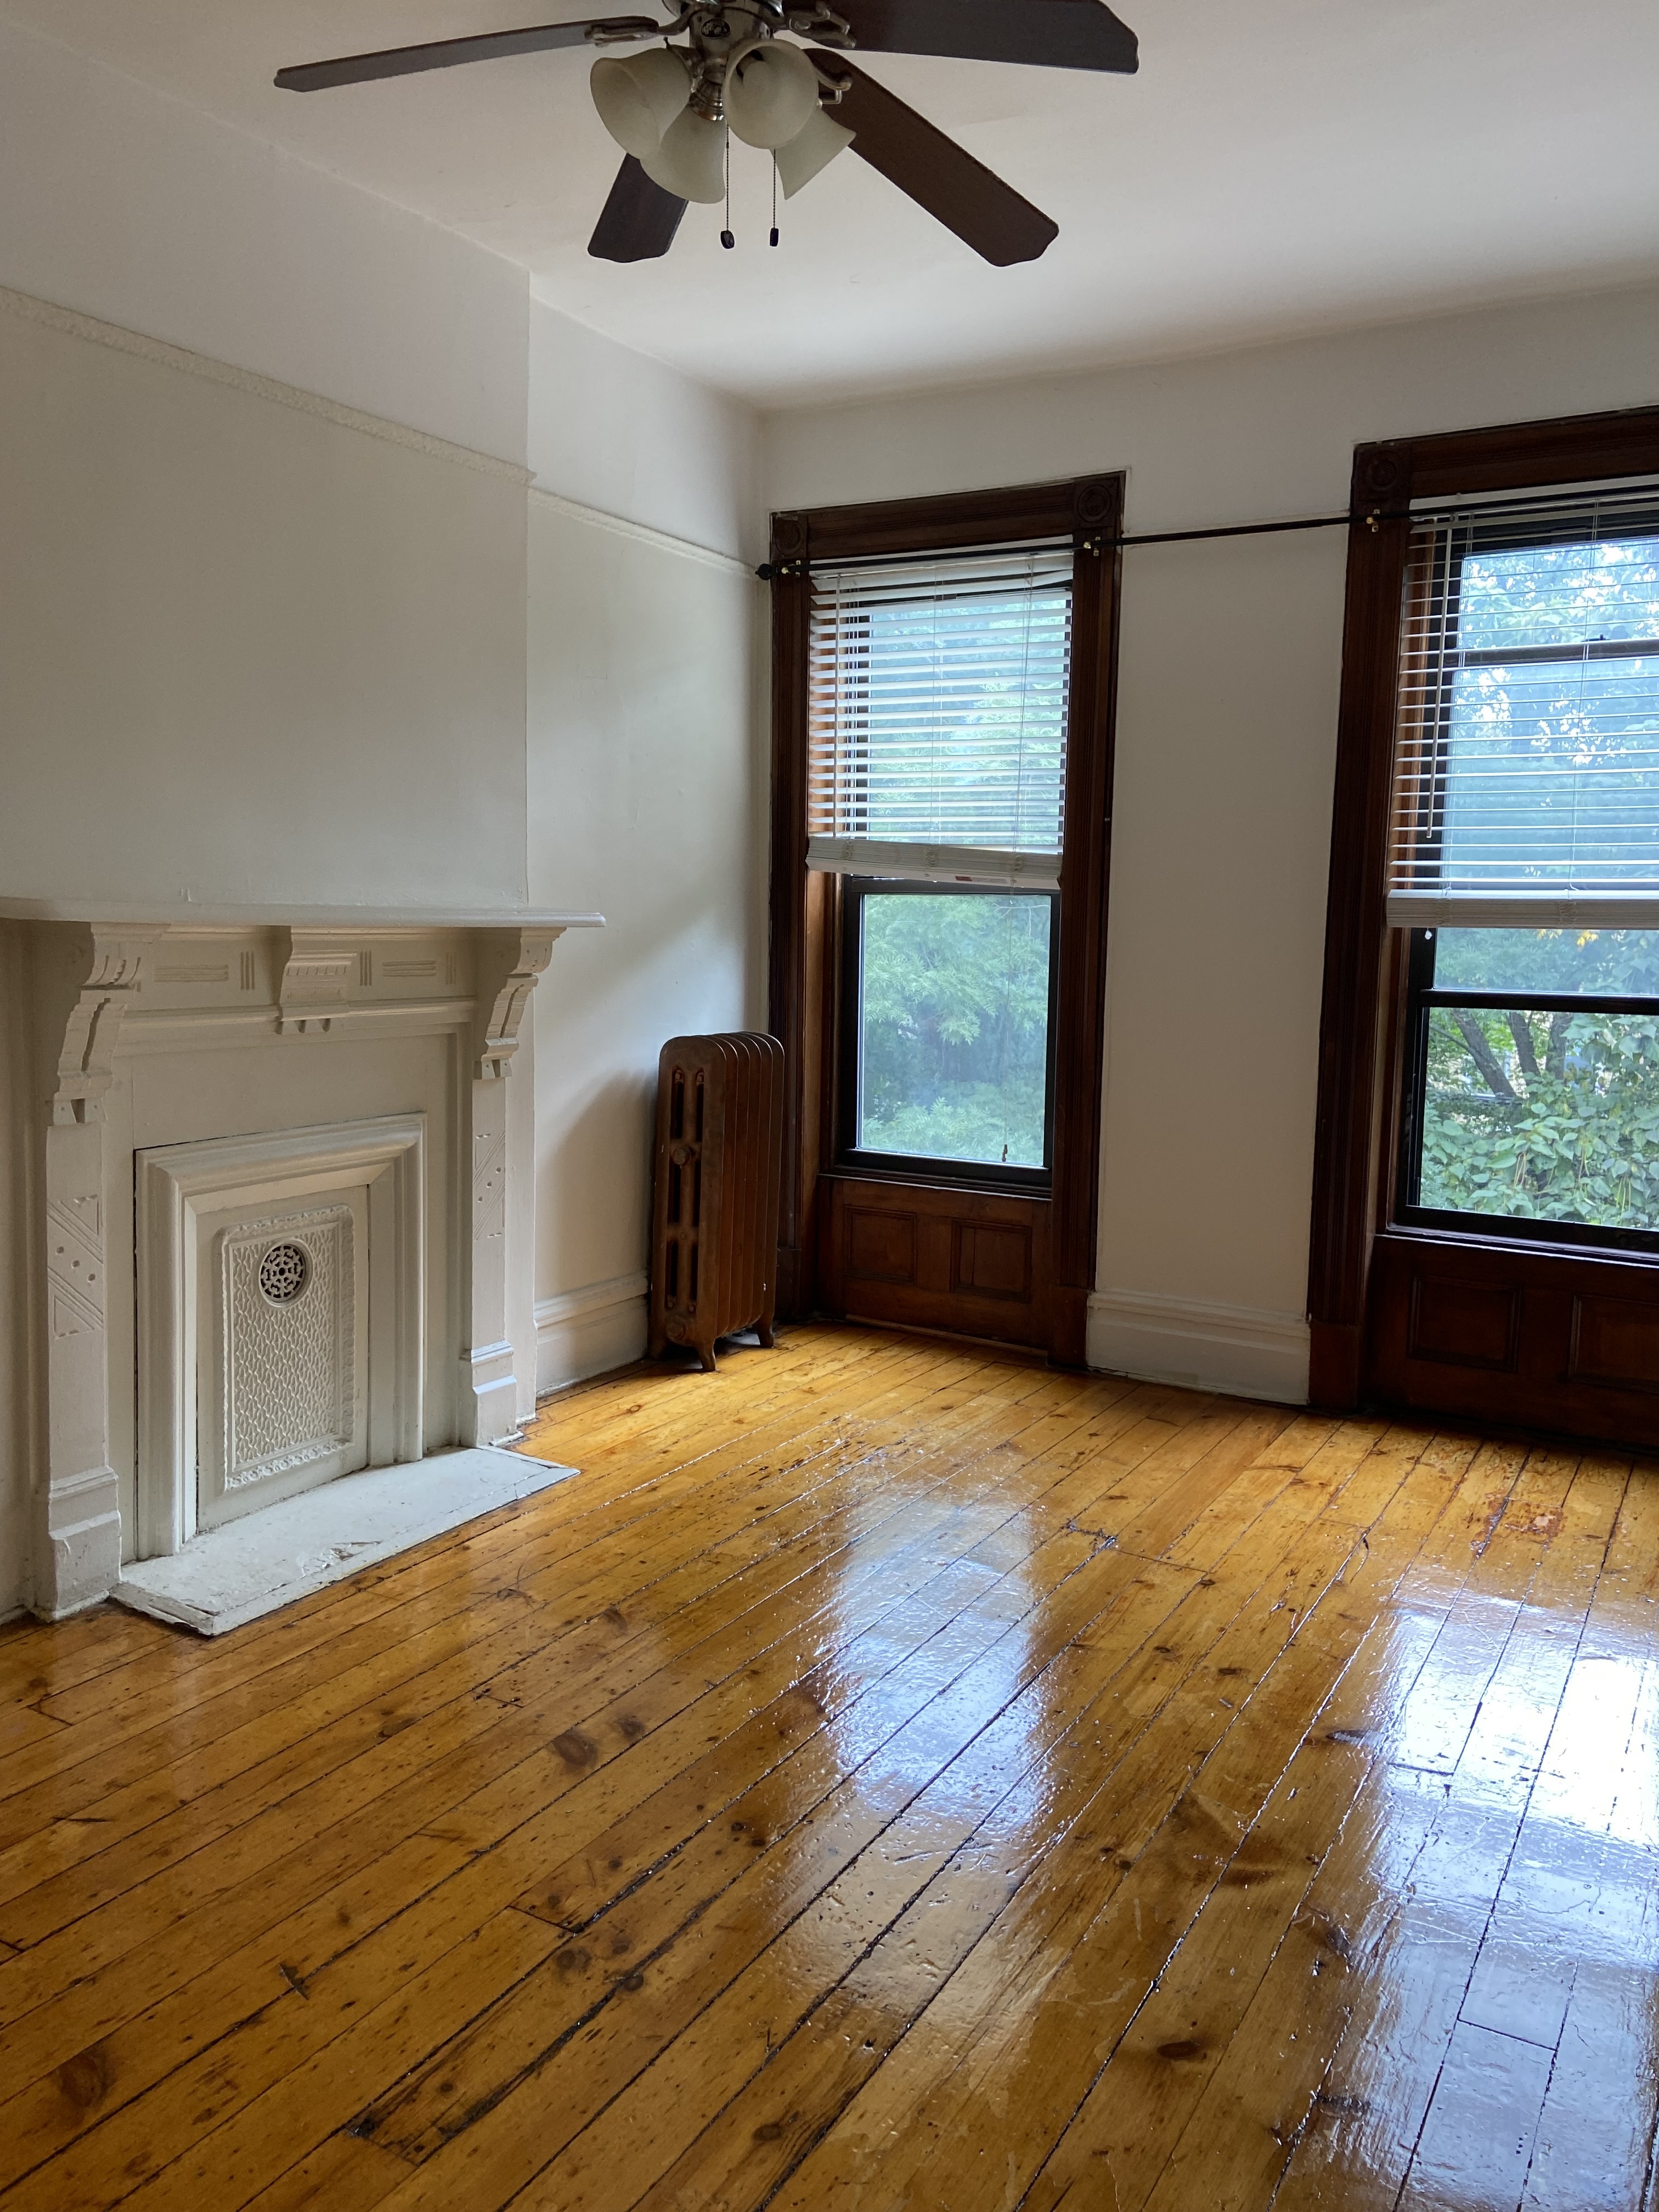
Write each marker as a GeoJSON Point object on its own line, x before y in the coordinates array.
{"type": "Point", "coordinates": [284, 1271]}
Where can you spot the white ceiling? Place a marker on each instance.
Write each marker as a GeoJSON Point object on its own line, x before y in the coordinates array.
{"type": "Point", "coordinates": [1276, 167]}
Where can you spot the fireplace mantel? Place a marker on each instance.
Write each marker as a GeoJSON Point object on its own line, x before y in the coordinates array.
{"type": "Point", "coordinates": [188, 914]}
{"type": "Point", "coordinates": [164, 1024]}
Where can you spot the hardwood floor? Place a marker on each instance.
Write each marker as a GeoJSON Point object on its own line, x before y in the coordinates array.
{"type": "Point", "coordinates": [888, 1777]}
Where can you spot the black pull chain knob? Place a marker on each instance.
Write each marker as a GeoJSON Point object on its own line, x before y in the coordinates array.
{"type": "Point", "coordinates": [727, 238]}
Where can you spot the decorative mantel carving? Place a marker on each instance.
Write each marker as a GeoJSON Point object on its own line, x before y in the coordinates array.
{"type": "Point", "coordinates": [92, 1022]}
{"type": "Point", "coordinates": [509, 961]}
{"type": "Point", "coordinates": [86, 978]}
{"type": "Point", "coordinates": [316, 980]}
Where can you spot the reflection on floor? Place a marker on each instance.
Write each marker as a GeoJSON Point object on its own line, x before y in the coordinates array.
{"type": "Point", "coordinates": [888, 1777]}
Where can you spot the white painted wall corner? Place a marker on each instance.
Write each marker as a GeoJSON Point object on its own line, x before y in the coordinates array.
{"type": "Point", "coordinates": [1242, 1351]}
{"type": "Point", "coordinates": [588, 1332]}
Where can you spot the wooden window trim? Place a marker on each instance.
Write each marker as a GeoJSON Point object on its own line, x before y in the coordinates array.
{"type": "Point", "coordinates": [803, 980]}
{"type": "Point", "coordinates": [1360, 1037]}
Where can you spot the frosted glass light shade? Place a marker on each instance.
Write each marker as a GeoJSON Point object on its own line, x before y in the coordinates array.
{"type": "Point", "coordinates": [692, 159]}
{"type": "Point", "coordinates": [639, 98]}
{"type": "Point", "coordinates": [771, 93]}
{"type": "Point", "coordinates": [809, 150]}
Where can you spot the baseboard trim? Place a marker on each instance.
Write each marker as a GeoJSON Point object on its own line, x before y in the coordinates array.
{"type": "Point", "coordinates": [589, 1331]}
{"type": "Point", "coordinates": [1244, 1352]}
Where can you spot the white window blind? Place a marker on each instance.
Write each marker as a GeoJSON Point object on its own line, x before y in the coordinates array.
{"type": "Point", "coordinates": [938, 695]}
{"type": "Point", "coordinates": [1526, 781]}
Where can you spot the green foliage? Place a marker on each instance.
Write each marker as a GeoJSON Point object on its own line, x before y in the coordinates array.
{"type": "Point", "coordinates": [955, 1022]}
{"type": "Point", "coordinates": [1534, 595]}
{"type": "Point", "coordinates": [1622, 963]}
{"type": "Point", "coordinates": [1546, 1117]}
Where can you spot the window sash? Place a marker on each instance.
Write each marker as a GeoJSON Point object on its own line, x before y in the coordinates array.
{"type": "Point", "coordinates": [934, 1167]}
{"type": "Point", "coordinates": [937, 698]}
{"type": "Point", "coordinates": [1423, 998]}
{"type": "Point", "coordinates": [1554, 827]}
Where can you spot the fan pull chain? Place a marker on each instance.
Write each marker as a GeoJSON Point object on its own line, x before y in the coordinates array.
{"type": "Point", "coordinates": [773, 238]}
{"type": "Point", "coordinates": [727, 238]}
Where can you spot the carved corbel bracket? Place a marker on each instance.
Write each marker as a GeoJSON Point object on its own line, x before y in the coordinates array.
{"type": "Point", "coordinates": [509, 961]}
{"type": "Point", "coordinates": [317, 972]}
{"type": "Point", "coordinates": [92, 1027]}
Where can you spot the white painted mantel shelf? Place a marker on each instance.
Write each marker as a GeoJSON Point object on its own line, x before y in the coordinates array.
{"type": "Point", "coordinates": [164, 1032]}
{"type": "Point", "coordinates": [187, 913]}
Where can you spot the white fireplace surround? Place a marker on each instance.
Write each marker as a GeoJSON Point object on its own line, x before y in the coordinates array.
{"type": "Point", "coordinates": [174, 1072]}
{"type": "Point", "coordinates": [178, 1186]}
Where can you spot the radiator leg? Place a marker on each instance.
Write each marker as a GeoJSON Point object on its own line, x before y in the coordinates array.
{"type": "Point", "coordinates": [705, 1353]}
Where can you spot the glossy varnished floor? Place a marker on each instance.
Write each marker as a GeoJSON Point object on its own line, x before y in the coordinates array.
{"type": "Point", "coordinates": [887, 1778]}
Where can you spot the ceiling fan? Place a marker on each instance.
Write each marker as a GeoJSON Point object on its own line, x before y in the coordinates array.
{"type": "Point", "coordinates": [671, 108]}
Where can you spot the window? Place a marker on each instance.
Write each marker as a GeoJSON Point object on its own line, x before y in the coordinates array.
{"type": "Point", "coordinates": [937, 719]}
{"type": "Point", "coordinates": [1526, 830]}
{"type": "Point", "coordinates": [941, 812]}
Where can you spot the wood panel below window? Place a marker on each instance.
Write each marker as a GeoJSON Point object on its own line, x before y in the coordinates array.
{"type": "Point", "coordinates": [936, 1255]}
{"type": "Point", "coordinates": [1553, 1339]}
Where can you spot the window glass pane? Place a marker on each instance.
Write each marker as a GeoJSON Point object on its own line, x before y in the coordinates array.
{"type": "Point", "coordinates": [1543, 1117]}
{"type": "Point", "coordinates": [1620, 963]}
{"type": "Point", "coordinates": [1553, 774]}
{"type": "Point", "coordinates": [1527, 758]}
{"type": "Point", "coordinates": [1537, 595]}
{"type": "Point", "coordinates": [953, 1026]}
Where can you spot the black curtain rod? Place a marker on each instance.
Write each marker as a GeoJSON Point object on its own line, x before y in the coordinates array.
{"type": "Point", "coordinates": [768, 569]}
{"type": "Point", "coordinates": [1239, 529]}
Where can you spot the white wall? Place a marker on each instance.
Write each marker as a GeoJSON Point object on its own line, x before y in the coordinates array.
{"type": "Point", "coordinates": [248, 653]}
{"type": "Point", "coordinates": [616, 431]}
{"type": "Point", "coordinates": [647, 800]}
{"type": "Point", "coordinates": [648, 787]}
{"type": "Point", "coordinates": [1228, 682]}
{"type": "Point", "coordinates": [125, 204]}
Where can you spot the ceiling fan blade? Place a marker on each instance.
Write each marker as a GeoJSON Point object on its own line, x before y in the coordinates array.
{"type": "Point", "coordinates": [1053, 33]}
{"type": "Point", "coordinates": [449, 53]}
{"type": "Point", "coordinates": [936, 172]}
{"type": "Point", "coordinates": [639, 219]}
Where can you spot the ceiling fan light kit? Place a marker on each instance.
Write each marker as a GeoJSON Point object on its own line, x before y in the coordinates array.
{"type": "Point", "coordinates": [771, 93]}
{"type": "Point", "coordinates": [692, 159]}
{"type": "Point", "coordinates": [809, 150]}
{"type": "Point", "coordinates": [639, 98]}
{"type": "Point", "coordinates": [670, 108]}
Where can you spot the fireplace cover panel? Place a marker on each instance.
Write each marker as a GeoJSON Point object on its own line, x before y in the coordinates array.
{"type": "Point", "coordinates": [282, 1368]}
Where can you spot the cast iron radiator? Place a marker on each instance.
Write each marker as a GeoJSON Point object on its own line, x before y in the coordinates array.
{"type": "Point", "coordinates": [714, 1216]}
